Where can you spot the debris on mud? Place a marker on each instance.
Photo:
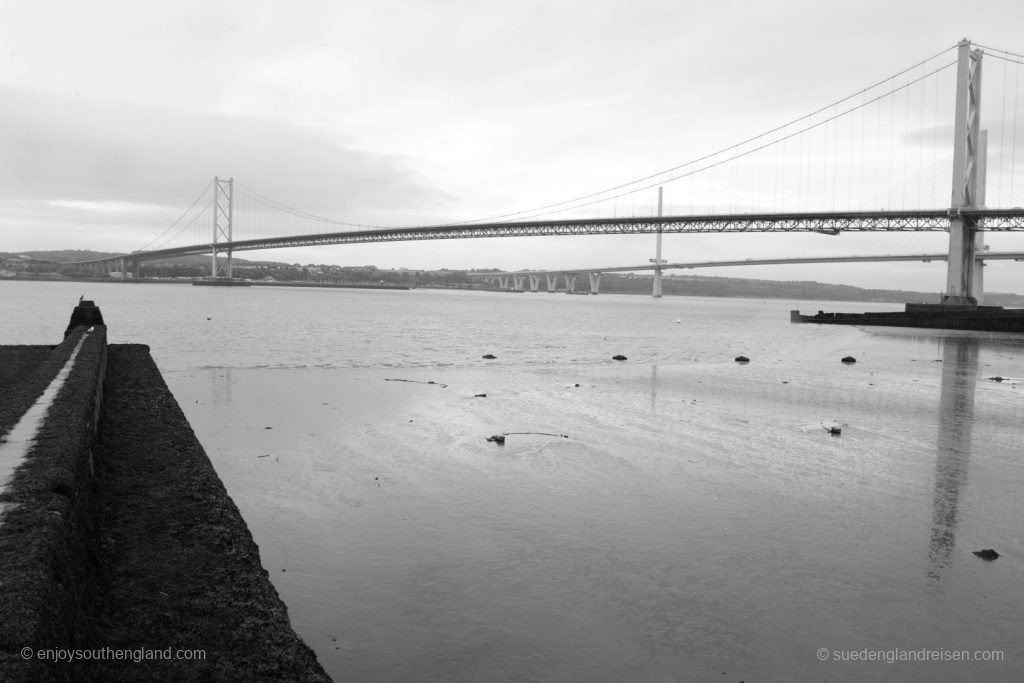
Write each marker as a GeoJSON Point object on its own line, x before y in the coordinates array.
{"type": "Point", "coordinates": [417, 381]}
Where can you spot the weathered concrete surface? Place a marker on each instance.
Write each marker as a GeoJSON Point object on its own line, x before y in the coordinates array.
{"type": "Point", "coordinates": [120, 535]}
{"type": "Point", "coordinates": [177, 566]}
{"type": "Point", "coordinates": [46, 579]}
{"type": "Point", "coordinates": [24, 373]}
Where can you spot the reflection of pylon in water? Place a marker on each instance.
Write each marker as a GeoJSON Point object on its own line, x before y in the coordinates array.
{"type": "Point", "coordinates": [221, 392]}
{"type": "Point", "coordinates": [223, 191]}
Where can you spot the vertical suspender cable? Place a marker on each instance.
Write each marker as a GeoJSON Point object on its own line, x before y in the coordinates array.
{"type": "Point", "coordinates": [1002, 134]}
{"type": "Point", "coordinates": [1013, 143]}
{"type": "Point", "coordinates": [921, 141]}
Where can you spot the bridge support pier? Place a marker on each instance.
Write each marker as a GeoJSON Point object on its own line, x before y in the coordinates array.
{"type": "Point", "coordinates": [517, 282]}
{"type": "Point", "coordinates": [503, 282]}
{"type": "Point", "coordinates": [595, 282]}
{"type": "Point", "coordinates": [967, 158]}
{"type": "Point", "coordinates": [552, 283]}
{"type": "Point", "coordinates": [534, 283]}
{"type": "Point", "coordinates": [978, 268]}
{"type": "Point", "coordinates": [570, 282]}
{"type": "Point", "coordinates": [657, 260]}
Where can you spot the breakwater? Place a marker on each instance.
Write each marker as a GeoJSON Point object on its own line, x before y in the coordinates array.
{"type": "Point", "coordinates": [927, 316]}
{"type": "Point", "coordinates": [118, 536]}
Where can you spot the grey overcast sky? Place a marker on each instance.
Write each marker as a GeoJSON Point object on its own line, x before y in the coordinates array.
{"type": "Point", "coordinates": [116, 114]}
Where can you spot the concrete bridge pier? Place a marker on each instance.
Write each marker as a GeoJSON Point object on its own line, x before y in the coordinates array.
{"type": "Point", "coordinates": [977, 270]}
{"type": "Point", "coordinates": [570, 282]}
{"type": "Point", "coordinates": [518, 282]}
{"type": "Point", "coordinates": [534, 283]}
{"type": "Point", "coordinates": [595, 282]}
{"type": "Point", "coordinates": [552, 283]}
{"type": "Point", "coordinates": [126, 266]}
{"type": "Point", "coordinates": [657, 260]}
{"type": "Point", "coordinates": [503, 282]}
{"type": "Point", "coordinates": [968, 179]}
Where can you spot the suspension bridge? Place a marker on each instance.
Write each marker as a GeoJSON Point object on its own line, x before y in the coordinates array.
{"type": "Point", "coordinates": [824, 173]}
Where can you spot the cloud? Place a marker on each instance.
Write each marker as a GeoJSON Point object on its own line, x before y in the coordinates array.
{"type": "Point", "coordinates": [73, 159]}
{"type": "Point", "coordinates": [65, 148]}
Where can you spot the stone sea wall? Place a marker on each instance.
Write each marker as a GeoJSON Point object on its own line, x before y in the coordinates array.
{"type": "Point", "coordinates": [117, 536]}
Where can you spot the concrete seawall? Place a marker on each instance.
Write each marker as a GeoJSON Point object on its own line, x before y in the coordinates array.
{"type": "Point", "coordinates": [45, 575]}
{"type": "Point", "coordinates": [117, 536]}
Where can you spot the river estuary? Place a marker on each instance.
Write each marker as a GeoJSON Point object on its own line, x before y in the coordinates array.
{"type": "Point", "coordinates": [674, 516]}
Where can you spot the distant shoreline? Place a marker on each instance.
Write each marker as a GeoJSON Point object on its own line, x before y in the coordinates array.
{"type": "Point", "coordinates": [716, 287]}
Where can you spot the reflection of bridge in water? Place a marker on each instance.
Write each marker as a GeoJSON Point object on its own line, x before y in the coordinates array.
{"type": "Point", "coordinates": [955, 421]}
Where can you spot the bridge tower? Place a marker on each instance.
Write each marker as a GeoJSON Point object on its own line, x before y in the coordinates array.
{"type": "Point", "coordinates": [657, 260]}
{"type": "Point", "coordinates": [978, 272]}
{"type": "Point", "coordinates": [223, 195]}
{"type": "Point", "coordinates": [960, 277]}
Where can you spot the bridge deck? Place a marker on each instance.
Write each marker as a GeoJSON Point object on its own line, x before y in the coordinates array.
{"type": "Point", "coordinates": [935, 220]}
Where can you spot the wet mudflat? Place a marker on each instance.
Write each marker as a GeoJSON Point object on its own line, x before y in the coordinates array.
{"type": "Point", "coordinates": [698, 520]}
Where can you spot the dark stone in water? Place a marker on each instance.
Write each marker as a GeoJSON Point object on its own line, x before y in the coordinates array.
{"type": "Point", "coordinates": [849, 359]}
{"type": "Point", "coordinates": [489, 356]}
{"type": "Point", "coordinates": [618, 356]}
{"type": "Point", "coordinates": [988, 554]}
{"type": "Point", "coordinates": [742, 359]}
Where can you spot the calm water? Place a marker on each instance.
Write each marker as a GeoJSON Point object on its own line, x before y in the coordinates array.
{"type": "Point", "coordinates": [697, 523]}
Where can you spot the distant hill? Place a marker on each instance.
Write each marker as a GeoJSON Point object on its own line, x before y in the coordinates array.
{"type": "Point", "coordinates": [68, 255]}
{"type": "Point", "coordinates": [56, 256]}
{"type": "Point", "coordinates": [698, 285]}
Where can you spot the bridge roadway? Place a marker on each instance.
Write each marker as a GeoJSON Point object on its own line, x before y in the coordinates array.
{"type": "Point", "coordinates": [519, 278]}
{"type": "Point", "coordinates": [826, 223]}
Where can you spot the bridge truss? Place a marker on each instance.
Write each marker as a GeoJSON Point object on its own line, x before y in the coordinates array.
{"type": "Point", "coordinates": [825, 223]}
